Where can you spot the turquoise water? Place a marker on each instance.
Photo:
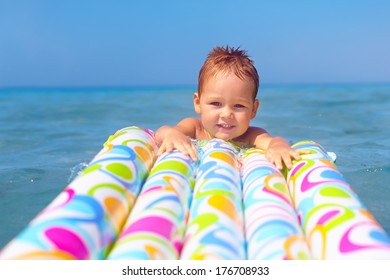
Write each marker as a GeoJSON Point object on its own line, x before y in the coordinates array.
{"type": "Point", "coordinates": [47, 135]}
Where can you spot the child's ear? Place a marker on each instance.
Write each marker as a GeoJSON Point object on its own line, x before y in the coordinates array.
{"type": "Point", "coordinates": [197, 103]}
{"type": "Point", "coordinates": [256, 105]}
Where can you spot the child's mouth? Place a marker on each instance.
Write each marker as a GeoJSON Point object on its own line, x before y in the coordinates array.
{"type": "Point", "coordinates": [225, 126]}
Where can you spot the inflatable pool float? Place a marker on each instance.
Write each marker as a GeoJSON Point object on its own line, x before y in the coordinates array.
{"type": "Point", "coordinates": [230, 204]}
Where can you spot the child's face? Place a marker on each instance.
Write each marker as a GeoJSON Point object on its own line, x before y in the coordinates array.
{"type": "Point", "coordinates": [226, 106]}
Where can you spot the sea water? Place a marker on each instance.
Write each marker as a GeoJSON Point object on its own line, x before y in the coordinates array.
{"type": "Point", "coordinates": [48, 135]}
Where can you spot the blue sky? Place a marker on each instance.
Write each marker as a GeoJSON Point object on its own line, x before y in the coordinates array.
{"type": "Point", "coordinates": [140, 43]}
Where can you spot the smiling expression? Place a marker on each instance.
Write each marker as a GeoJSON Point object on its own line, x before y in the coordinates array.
{"type": "Point", "coordinates": [226, 106]}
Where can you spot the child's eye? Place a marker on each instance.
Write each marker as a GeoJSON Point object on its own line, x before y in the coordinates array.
{"type": "Point", "coordinates": [239, 106]}
{"type": "Point", "coordinates": [215, 103]}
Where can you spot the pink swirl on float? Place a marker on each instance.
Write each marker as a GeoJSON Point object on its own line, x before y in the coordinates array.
{"type": "Point", "coordinates": [297, 168]}
{"type": "Point", "coordinates": [155, 225]}
{"type": "Point", "coordinates": [70, 194]}
{"type": "Point", "coordinates": [306, 184]}
{"type": "Point", "coordinates": [346, 245]}
{"type": "Point", "coordinates": [67, 241]}
{"type": "Point", "coordinates": [327, 217]}
{"type": "Point", "coordinates": [154, 188]}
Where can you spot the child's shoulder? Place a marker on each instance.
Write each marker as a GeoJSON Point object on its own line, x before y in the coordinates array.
{"type": "Point", "coordinates": [253, 130]}
{"type": "Point", "coordinates": [190, 122]}
{"type": "Point", "coordinates": [192, 127]}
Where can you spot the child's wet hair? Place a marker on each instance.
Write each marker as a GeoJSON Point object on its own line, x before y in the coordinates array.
{"type": "Point", "coordinates": [226, 60]}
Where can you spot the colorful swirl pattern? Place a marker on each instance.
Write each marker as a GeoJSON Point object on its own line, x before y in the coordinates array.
{"type": "Point", "coordinates": [155, 228]}
{"type": "Point", "coordinates": [335, 222]}
{"type": "Point", "coordinates": [84, 220]}
{"type": "Point", "coordinates": [272, 227]}
{"type": "Point", "coordinates": [215, 227]}
{"type": "Point", "coordinates": [196, 210]}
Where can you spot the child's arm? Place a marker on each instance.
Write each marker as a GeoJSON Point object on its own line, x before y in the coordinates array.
{"type": "Point", "coordinates": [170, 138]}
{"type": "Point", "coordinates": [277, 149]}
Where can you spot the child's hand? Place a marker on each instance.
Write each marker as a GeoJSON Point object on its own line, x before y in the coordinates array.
{"type": "Point", "coordinates": [174, 139]}
{"type": "Point", "coordinates": [279, 151]}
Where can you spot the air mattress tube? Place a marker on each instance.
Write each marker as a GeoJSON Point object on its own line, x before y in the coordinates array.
{"type": "Point", "coordinates": [155, 228]}
{"type": "Point", "coordinates": [215, 227]}
{"type": "Point", "coordinates": [231, 204]}
{"type": "Point", "coordinates": [335, 222]}
{"type": "Point", "coordinates": [84, 220]}
{"type": "Point", "coordinates": [272, 228]}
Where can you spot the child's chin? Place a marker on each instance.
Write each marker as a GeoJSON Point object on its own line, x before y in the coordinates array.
{"type": "Point", "coordinates": [224, 137]}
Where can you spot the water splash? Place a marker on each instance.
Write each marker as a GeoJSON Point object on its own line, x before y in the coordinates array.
{"type": "Point", "coordinates": [76, 170]}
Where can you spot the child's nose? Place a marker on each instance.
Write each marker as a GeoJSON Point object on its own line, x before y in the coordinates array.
{"type": "Point", "coordinates": [226, 112]}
